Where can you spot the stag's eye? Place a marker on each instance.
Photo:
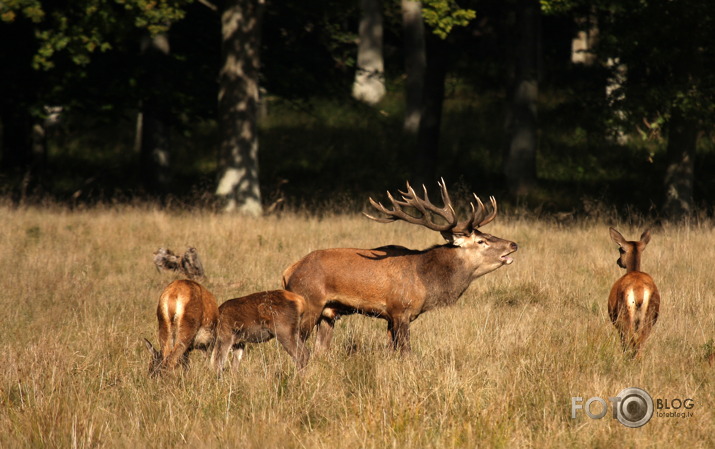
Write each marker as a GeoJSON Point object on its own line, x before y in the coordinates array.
{"type": "Point", "coordinates": [480, 242]}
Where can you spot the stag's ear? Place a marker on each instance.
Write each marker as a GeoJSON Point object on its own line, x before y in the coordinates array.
{"type": "Point", "coordinates": [617, 237]}
{"type": "Point", "coordinates": [449, 237]}
{"type": "Point", "coordinates": [645, 237]}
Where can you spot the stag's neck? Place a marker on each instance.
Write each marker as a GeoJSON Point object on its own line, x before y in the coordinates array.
{"type": "Point", "coordinates": [448, 282]}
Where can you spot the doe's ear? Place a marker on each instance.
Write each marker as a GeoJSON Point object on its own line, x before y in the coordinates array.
{"type": "Point", "coordinates": [616, 237]}
{"type": "Point", "coordinates": [150, 347]}
{"type": "Point", "coordinates": [645, 237]}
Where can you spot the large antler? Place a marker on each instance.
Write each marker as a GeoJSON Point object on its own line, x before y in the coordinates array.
{"type": "Point", "coordinates": [478, 216]}
{"type": "Point", "coordinates": [423, 205]}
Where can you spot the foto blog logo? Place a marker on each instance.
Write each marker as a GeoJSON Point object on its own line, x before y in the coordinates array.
{"type": "Point", "coordinates": [633, 407]}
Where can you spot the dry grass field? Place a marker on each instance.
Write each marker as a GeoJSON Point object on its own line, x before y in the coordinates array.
{"type": "Point", "coordinates": [497, 369]}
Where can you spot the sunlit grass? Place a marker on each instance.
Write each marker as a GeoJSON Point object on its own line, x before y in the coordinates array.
{"type": "Point", "coordinates": [497, 369]}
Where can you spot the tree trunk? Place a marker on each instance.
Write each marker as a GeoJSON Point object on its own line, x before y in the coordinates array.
{"type": "Point", "coordinates": [431, 111]}
{"type": "Point", "coordinates": [583, 44]}
{"type": "Point", "coordinates": [152, 131]}
{"type": "Point", "coordinates": [369, 85]}
{"type": "Point", "coordinates": [22, 138]}
{"type": "Point", "coordinates": [615, 95]}
{"type": "Point", "coordinates": [16, 140]}
{"type": "Point", "coordinates": [520, 160]}
{"type": "Point", "coordinates": [19, 92]}
{"type": "Point", "coordinates": [679, 173]}
{"type": "Point", "coordinates": [238, 185]}
{"type": "Point", "coordinates": [415, 62]}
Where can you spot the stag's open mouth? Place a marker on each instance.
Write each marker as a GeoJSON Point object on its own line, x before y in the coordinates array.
{"type": "Point", "coordinates": [506, 260]}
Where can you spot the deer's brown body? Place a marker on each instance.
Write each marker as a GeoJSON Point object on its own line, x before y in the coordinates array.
{"type": "Point", "coordinates": [187, 313]}
{"type": "Point", "coordinates": [258, 318]}
{"type": "Point", "coordinates": [634, 301]}
{"type": "Point", "coordinates": [393, 282]}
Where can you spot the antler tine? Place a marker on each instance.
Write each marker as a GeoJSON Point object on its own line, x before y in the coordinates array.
{"type": "Point", "coordinates": [445, 194]}
{"type": "Point", "coordinates": [479, 212]}
{"type": "Point", "coordinates": [410, 197]}
{"type": "Point", "coordinates": [446, 212]}
{"type": "Point", "coordinates": [477, 216]}
{"type": "Point", "coordinates": [392, 215]}
{"type": "Point", "coordinates": [381, 208]}
{"type": "Point", "coordinates": [423, 205]}
{"type": "Point", "coordinates": [493, 213]}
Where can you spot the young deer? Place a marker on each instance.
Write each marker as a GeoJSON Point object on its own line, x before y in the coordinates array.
{"type": "Point", "coordinates": [634, 300]}
{"type": "Point", "coordinates": [257, 318]}
{"type": "Point", "coordinates": [187, 315]}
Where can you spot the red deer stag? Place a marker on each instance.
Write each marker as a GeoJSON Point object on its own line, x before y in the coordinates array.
{"type": "Point", "coordinates": [634, 300]}
{"type": "Point", "coordinates": [393, 282]}
{"type": "Point", "coordinates": [187, 314]}
{"type": "Point", "coordinates": [258, 318]}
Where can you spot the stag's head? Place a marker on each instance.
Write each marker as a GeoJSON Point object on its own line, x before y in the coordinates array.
{"type": "Point", "coordinates": [493, 251]}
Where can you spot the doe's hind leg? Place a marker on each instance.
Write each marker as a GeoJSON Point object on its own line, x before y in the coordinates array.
{"type": "Point", "coordinates": [294, 346]}
{"type": "Point", "coordinates": [220, 353]}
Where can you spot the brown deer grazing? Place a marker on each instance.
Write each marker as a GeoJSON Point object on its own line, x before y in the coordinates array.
{"type": "Point", "coordinates": [187, 314]}
{"type": "Point", "coordinates": [634, 300]}
{"type": "Point", "coordinates": [393, 282]}
{"type": "Point", "coordinates": [258, 318]}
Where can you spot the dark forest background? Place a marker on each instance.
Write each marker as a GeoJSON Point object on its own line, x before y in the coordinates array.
{"type": "Point", "coordinates": [118, 101]}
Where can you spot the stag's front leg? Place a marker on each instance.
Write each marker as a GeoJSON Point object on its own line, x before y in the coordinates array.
{"type": "Point", "coordinates": [325, 334]}
{"type": "Point", "coordinates": [326, 325]}
{"type": "Point", "coordinates": [399, 330]}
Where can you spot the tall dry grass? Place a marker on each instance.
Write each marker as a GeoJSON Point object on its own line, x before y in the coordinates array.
{"type": "Point", "coordinates": [498, 369]}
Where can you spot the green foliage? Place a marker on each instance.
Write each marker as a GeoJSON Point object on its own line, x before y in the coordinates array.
{"type": "Point", "coordinates": [32, 9]}
{"type": "Point", "coordinates": [662, 75]}
{"type": "Point", "coordinates": [443, 15]}
{"type": "Point", "coordinates": [665, 47]}
{"type": "Point", "coordinates": [314, 42]}
{"type": "Point", "coordinates": [156, 16]}
{"type": "Point", "coordinates": [557, 6]}
{"type": "Point", "coordinates": [83, 27]}
{"type": "Point", "coordinates": [313, 135]}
